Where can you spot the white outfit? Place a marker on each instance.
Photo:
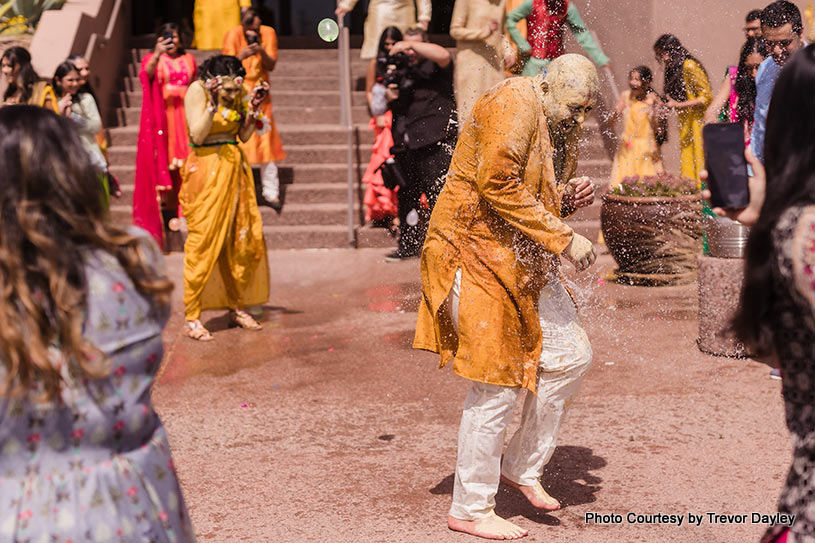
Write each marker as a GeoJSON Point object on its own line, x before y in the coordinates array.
{"type": "Point", "coordinates": [269, 181]}
{"type": "Point", "coordinates": [86, 115]}
{"type": "Point", "coordinates": [565, 357]}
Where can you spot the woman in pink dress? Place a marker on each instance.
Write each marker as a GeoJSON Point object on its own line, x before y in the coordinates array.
{"type": "Point", "coordinates": [380, 202]}
{"type": "Point", "coordinates": [163, 147]}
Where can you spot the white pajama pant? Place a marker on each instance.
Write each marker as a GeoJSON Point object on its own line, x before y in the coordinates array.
{"type": "Point", "coordinates": [565, 357]}
{"type": "Point", "coordinates": [269, 181]}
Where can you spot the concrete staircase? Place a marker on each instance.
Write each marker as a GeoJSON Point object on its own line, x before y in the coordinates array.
{"type": "Point", "coordinates": [305, 101]}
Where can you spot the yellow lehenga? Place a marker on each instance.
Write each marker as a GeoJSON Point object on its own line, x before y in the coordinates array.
{"type": "Point", "coordinates": [225, 263]}
{"type": "Point", "coordinates": [638, 152]}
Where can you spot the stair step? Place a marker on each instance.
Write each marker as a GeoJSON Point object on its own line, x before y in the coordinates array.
{"type": "Point", "coordinates": [289, 174]}
{"type": "Point", "coordinates": [129, 116]}
{"type": "Point", "coordinates": [310, 236]}
{"type": "Point", "coordinates": [312, 83]}
{"type": "Point", "coordinates": [286, 98]}
{"type": "Point", "coordinates": [315, 134]}
{"type": "Point", "coordinates": [315, 193]}
{"type": "Point", "coordinates": [302, 214]}
{"type": "Point", "coordinates": [590, 229]}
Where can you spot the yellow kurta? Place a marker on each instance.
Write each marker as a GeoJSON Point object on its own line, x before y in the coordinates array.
{"type": "Point", "coordinates": [385, 13]}
{"type": "Point", "coordinates": [638, 152]}
{"type": "Point", "coordinates": [691, 121]}
{"type": "Point", "coordinates": [213, 19]}
{"type": "Point", "coordinates": [479, 59]}
{"type": "Point", "coordinates": [498, 220]}
{"type": "Point", "coordinates": [225, 264]}
{"type": "Point", "coordinates": [260, 149]}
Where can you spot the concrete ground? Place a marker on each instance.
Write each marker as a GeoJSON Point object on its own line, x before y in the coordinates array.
{"type": "Point", "coordinates": [326, 426]}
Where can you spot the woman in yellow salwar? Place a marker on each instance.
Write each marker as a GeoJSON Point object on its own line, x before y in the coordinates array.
{"type": "Point", "coordinates": [213, 19]}
{"type": "Point", "coordinates": [687, 88]}
{"type": "Point", "coordinates": [225, 262]}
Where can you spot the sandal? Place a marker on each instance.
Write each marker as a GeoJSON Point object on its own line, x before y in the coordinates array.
{"type": "Point", "coordinates": [245, 320]}
{"type": "Point", "coordinates": [195, 330]}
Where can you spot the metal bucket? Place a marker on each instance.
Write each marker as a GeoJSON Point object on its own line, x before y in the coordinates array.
{"type": "Point", "coordinates": [726, 238]}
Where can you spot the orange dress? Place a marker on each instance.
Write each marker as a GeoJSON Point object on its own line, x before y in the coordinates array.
{"type": "Point", "coordinates": [260, 149]}
{"type": "Point", "coordinates": [174, 76]}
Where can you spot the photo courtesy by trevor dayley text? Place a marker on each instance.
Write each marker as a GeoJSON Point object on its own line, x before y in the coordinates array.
{"type": "Point", "coordinates": [689, 519]}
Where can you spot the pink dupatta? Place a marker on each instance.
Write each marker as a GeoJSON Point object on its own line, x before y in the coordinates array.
{"type": "Point", "coordinates": [152, 164]}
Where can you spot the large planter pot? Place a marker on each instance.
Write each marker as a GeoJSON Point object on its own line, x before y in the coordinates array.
{"type": "Point", "coordinates": [654, 240]}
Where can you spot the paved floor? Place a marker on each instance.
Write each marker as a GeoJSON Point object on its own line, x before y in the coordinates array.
{"type": "Point", "coordinates": [326, 426]}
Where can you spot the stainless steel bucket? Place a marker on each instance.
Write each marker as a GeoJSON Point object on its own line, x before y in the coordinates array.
{"type": "Point", "coordinates": [726, 238]}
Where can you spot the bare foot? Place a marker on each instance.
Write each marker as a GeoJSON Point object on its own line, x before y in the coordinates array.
{"type": "Point", "coordinates": [490, 527]}
{"type": "Point", "coordinates": [536, 495]}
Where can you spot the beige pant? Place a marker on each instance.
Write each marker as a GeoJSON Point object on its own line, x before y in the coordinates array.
{"type": "Point", "coordinates": [488, 409]}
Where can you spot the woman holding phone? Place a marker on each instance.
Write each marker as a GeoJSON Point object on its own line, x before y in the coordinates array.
{"type": "Point", "coordinates": [776, 315]}
{"type": "Point", "coordinates": [163, 146]}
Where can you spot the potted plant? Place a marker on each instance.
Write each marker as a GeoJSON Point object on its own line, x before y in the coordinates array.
{"type": "Point", "coordinates": [652, 226]}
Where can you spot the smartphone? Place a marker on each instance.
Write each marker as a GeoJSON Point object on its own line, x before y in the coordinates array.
{"type": "Point", "coordinates": [168, 36]}
{"type": "Point", "coordinates": [252, 38]}
{"type": "Point", "coordinates": [726, 165]}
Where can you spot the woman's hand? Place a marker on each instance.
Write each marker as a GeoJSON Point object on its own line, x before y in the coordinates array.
{"type": "Point", "coordinates": [162, 46]}
{"type": "Point", "coordinates": [510, 59]}
{"type": "Point", "coordinates": [756, 184]}
{"type": "Point", "coordinates": [65, 103]}
{"type": "Point", "coordinates": [259, 94]}
{"type": "Point", "coordinates": [673, 104]}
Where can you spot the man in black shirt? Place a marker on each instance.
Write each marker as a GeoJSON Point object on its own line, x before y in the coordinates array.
{"type": "Point", "coordinates": [424, 132]}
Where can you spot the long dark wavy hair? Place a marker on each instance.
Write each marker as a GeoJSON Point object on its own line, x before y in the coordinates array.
{"type": "Point", "coordinates": [678, 54]}
{"type": "Point", "coordinates": [19, 56]}
{"type": "Point", "coordinates": [789, 155]}
{"type": "Point", "coordinates": [50, 213]}
{"type": "Point", "coordinates": [745, 82]}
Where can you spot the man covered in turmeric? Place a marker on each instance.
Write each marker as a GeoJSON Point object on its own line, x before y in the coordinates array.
{"type": "Point", "coordinates": [493, 301]}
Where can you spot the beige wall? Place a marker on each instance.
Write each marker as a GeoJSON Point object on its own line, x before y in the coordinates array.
{"type": "Point", "coordinates": [711, 29]}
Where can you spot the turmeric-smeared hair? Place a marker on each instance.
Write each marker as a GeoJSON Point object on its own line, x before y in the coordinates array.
{"type": "Point", "coordinates": [50, 210]}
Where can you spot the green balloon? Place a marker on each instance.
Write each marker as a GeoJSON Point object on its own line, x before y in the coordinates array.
{"type": "Point", "coordinates": [328, 29]}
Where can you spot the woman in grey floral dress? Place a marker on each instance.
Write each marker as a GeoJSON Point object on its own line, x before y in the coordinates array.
{"type": "Point", "coordinates": [776, 317]}
{"type": "Point", "coordinates": [83, 455]}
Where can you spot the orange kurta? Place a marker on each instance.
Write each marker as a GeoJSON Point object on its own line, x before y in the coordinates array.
{"type": "Point", "coordinates": [260, 149]}
{"type": "Point", "coordinates": [498, 220]}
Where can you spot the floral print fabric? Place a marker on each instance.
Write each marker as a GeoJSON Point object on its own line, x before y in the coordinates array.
{"type": "Point", "coordinates": [794, 332]}
{"type": "Point", "coordinates": [94, 465]}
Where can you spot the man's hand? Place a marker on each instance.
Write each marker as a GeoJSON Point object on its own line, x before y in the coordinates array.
{"type": "Point", "coordinates": [580, 252]}
{"type": "Point", "coordinates": [757, 185]}
{"type": "Point", "coordinates": [583, 192]}
{"type": "Point", "coordinates": [401, 47]}
{"type": "Point", "coordinates": [424, 25]}
{"type": "Point", "coordinates": [510, 59]}
{"type": "Point", "coordinates": [340, 11]}
{"type": "Point", "coordinates": [392, 92]}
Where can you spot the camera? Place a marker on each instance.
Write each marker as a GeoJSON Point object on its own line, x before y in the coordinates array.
{"type": "Point", "coordinates": [252, 38]}
{"type": "Point", "coordinates": [397, 71]}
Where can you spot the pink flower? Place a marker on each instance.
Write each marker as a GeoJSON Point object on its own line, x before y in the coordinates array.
{"type": "Point", "coordinates": [34, 438]}
{"type": "Point", "coordinates": [163, 516]}
{"type": "Point", "coordinates": [78, 433]}
{"type": "Point", "coordinates": [118, 287]}
{"type": "Point", "coordinates": [119, 425]}
{"type": "Point", "coordinates": [118, 372]}
{"type": "Point", "coordinates": [27, 514]}
{"type": "Point", "coordinates": [132, 491]}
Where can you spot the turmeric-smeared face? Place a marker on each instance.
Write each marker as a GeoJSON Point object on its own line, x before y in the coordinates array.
{"type": "Point", "coordinates": [230, 93]}
{"type": "Point", "coordinates": [570, 92]}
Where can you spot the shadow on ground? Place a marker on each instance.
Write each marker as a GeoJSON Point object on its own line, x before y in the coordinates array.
{"type": "Point", "coordinates": [566, 477]}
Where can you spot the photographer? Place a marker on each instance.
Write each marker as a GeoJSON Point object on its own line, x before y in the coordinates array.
{"type": "Point", "coordinates": [419, 83]}
{"type": "Point", "coordinates": [255, 45]}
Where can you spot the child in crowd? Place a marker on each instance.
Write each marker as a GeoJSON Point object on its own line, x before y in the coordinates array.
{"type": "Point", "coordinates": [638, 152]}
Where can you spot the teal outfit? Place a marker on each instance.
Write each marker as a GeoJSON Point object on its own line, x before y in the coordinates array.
{"type": "Point", "coordinates": [533, 66]}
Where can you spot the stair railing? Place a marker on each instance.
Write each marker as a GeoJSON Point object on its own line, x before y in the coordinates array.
{"type": "Point", "coordinates": [346, 120]}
